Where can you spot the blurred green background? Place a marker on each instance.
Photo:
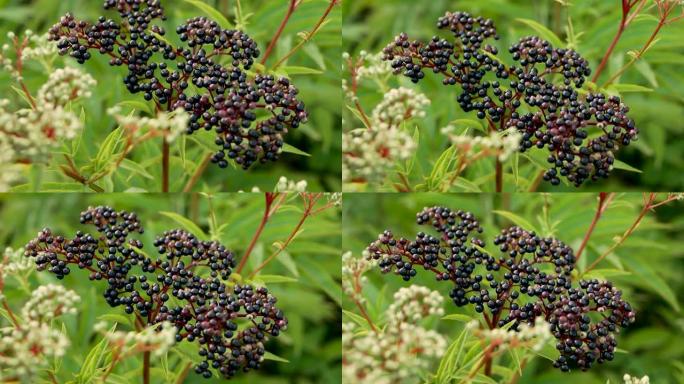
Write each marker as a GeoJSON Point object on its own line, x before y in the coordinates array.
{"type": "Point", "coordinates": [370, 24]}
{"type": "Point", "coordinates": [311, 303]}
{"type": "Point", "coordinates": [319, 89]}
{"type": "Point", "coordinates": [647, 267]}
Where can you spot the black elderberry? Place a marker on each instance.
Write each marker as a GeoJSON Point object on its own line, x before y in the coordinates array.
{"type": "Point", "coordinates": [191, 271]}
{"type": "Point", "coordinates": [531, 278]}
{"type": "Point", "coordinates": [545, 79]}
{"type": "Point", "coordinates": [250, 114]}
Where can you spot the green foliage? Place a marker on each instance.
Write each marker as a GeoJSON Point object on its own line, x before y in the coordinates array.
{"type": "Point", "coordinates": [646, 267]}
{"type": "Point", "coordinates": [304, 278]}
{"type": "Point", "coordinates": [652, 87]}
{"type": "Point", "coordinates": [312, 152]}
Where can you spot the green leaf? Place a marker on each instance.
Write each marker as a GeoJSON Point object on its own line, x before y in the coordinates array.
{"type": "Point", "coordinates": [287, 148]}
{"type": "Point", "coordinates": [212, 12]}
{"type": "Point", "coordinates": [315, 54]}
{"type": "Point", "coordinates": [188, 225]}
{"type": "Point", "coordinates": [458, 317]}
{"type": "Point", "coordinates": [604, 273]}
{"type": "Point", "coordinates": [617, 164]}
{"type": "Point", "coordinates": [469, 123]}
{"type": "Point", "coordinates": [136, 105]}
{"type": "Point", "coordinates": [358, 319]}
{"type": "Point", "coordinates": [645, 69]}
{"type": "Point", "coordinates": [320, 277]}
{"type": "Point", "coordinates": [543, 32]}
{"type": "Point", "coordinates": [273, 279]}
{"type": "Point", "coordinates": [450, 360]}
{"type": "Point", "coordinates": [93, 360]}
{"type": "Point", "coordinates": [116, 318]}
{"type": "Point", "coordinates": [625, 88]}
{"type": "Point", "coordinates": [270, 356]}
{"type": "Point", "coordinates": [519, 221]}
{"type": "Point", "coordinates": [650, 278]}
{"type": "Point", "coordinates": [295, 70]}
{"type": "Point", "coordinates": [136, 168]}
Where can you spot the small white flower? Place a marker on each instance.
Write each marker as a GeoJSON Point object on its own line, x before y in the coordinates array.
{"type": "Point", "coordinates": [48, 302]}
{"type": "Point", "coordinates": [503, 144]}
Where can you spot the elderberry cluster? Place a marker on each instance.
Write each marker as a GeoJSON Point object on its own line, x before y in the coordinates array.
{"type": "Point", "coordinates": [230, 323]}
{"type": "Point", "coordinates": [539, 95]}
{"type": "Point", "coordinates": [530, 279]}
{"type": "Point", "coordinates": [249, 114]}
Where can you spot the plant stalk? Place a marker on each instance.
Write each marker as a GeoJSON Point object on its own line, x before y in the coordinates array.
{"type": "Point", "coordinates": [146, 367]}
{"type": "Point", "coordinates": [290, 10]}
{"type": "Point", "coordinates": [604, 201]}
{"type": "Point", "coordinates": [165, 165]}
{"type": "Point", "coordinates": [267, 214]}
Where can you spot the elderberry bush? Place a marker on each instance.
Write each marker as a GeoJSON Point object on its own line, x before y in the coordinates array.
{"type": "Point", "coordinates": [207, 76]}
{"type": "Point", "coordinates": [541, 95]}
{"type": "Point", "coordinates": [230, 323]}
{"type": "Point", "coordinates": [531, 279]}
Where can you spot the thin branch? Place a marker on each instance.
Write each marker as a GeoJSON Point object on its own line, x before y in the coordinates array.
{"type": "Point", "coordinates": [199, 171]}
{"type": "Point", "coordinates": [165, 165]}
{"type": "Point", "coordinates": [270, 197]}
{"type": "Point", "coordinates": [10, 313]}
{"type": "Point", "coordinates": [146, 367]}
{"type": "Point", "coordinates": [184, 373]}
{"type": "Point", "coordinates": [309, 35]}
{"type": "Point", "coordinates": [310, 203]}
{"type": "Point", "coordinates": [616, 38]}
{"type": "Point", "coordinates": [604, 201]}
{"type": "Point", "coordinates": [499, 176]}
{"type": "Point", "coordinates": [649, 205]}
{"type": "Point", "coordinates": [290, 10]}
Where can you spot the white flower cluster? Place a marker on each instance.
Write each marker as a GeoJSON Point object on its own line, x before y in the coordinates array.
{"type": "Point", "coordinates": [158, 338]}
{"type": "Point", "coordinates": [14, 262]}
{"type": "Point", "coordinates": [398, 352]}
{"type": "Point", "coordinates": [172, 124]}
{"type": "Point", "coordinates": [40, 48]}
{"type": "Point", "coordinates": [285, 185]}
{"type": "Point", "coordinates": [353, 269]}
{"type": "Point", "coordinates": [374, 65]}
{"type": "Point", "coordinates": [368, 66]}
{"type": "Point", "coordinates": [369, 153]}
{"type": "Point", "coordinates": [25, 351]}
{"type": "Point", "coordinates": [26, 348]}
{"type": "Point", "coordinates": [503, 144]}
{"type": "Point", "coordinates": [64, 85]}
{"type": "Point", "coordinates": [414, 303]}
{"type": "Point", "coordinates": [534, 337]}
{"type": "Point", "coordinates": [48, 302]}
{"type": "Point", "coordinates": [635, 380]}
{"type": "Point", "coordinates": [29, 135]}
{"type": "Point", "coordinates": [398, 105]}
{"type": "Point", "coordinates": [5, 62]}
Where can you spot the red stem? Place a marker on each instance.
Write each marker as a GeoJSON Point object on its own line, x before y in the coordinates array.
{"type": "Point", "coordinates": [613, 44]}
{"type": "Point", "coordinates": [310, 200]}
{"type": "Point", "coordinates": [499, 176]}
{"type": "Point", "coordinates": [311, 33]}
{"type": "Point", "coordinates": [10, 313]}
{"type": "Point", "coordinates": [165, 165]}
{"type": "Point", "coordinates": [290, 10]}
{"type": "Point", "coordinates": [146, 367]}
{"type": "Point", "coordinates": [267, 214]}
{"type": "Point", "coordinates": [604, 200]}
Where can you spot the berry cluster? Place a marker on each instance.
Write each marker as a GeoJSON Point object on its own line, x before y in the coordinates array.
{"type": "Point", "coordinates": [530, 280]}
{"type": "Point", "coordinates": [230, 323]}
{"type": "Point", "coordinates": [539, 96]}
{"type": "Point", "coordinates": [250, 114]}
